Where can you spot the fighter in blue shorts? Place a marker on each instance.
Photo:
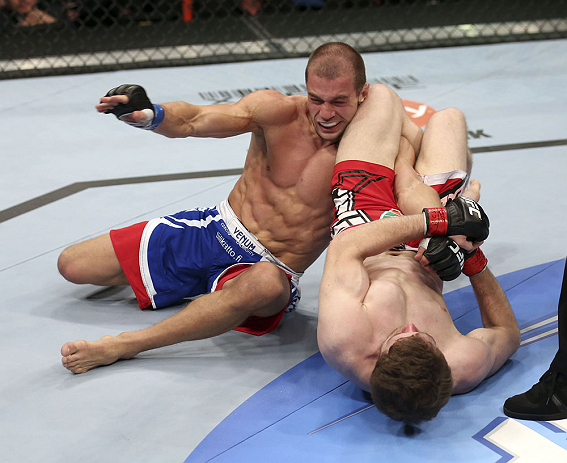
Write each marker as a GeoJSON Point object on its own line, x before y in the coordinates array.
{"type": "Point", "coordinates": [191, 253]}
{"type": "Point", "coordinates": [247, 257]}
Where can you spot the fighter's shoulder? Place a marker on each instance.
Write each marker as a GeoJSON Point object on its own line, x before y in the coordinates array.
{"type": "Point", "coordinates": [470, 360]}
{"type": "Point", "coordinates": [273, 106]}
{"type": "Point", "coordinates": [349, 354]}
{"type": "Point", "coordinates": [273, 97]}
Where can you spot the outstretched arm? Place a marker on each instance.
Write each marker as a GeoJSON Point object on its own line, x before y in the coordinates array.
{"type": "Point", "coordinates": [219, 121]}
{"type": "Point", "coordinates": [180, 119]}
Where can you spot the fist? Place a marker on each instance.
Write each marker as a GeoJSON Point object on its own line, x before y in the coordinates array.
{"type": "Point", "coordinates": [461, 216]}
{"type": "Point", "coordinates": [137, 100]}
{"type": "Point", "coordinates": [444, 256]}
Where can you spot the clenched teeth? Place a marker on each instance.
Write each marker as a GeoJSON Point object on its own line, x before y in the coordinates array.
{"type": "Point", "coordinates": [329, 125]}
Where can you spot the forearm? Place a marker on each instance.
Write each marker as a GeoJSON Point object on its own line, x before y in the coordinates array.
{"type": "Point", "coordinates": [376, 237]}
{"type": "Point", "coordinates": [182, 120]}
{"type": "Point", "coordinates": [178, 119]}
{"type": "Point", "coordinates": [494, 306]}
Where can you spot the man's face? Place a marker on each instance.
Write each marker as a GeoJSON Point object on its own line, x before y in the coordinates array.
{"type": "Point", "coordinates": [404, 332]}
{"type": "Point", "coordinates": [22, 6]}
{"type": "Point", "coordinates": [331, 103]}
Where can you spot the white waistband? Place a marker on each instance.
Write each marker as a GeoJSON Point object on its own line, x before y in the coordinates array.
{"type": "Point", "coordinates": [442, 178]}
{"type": "Point", "coordinates": [247, 240]}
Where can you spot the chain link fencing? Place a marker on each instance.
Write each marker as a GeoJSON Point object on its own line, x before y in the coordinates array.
{"type": "Point", "coordinates": [39, 38]}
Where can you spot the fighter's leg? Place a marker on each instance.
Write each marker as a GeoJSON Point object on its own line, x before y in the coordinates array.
{"type": "Point", "coordinates": [444, 146]}
{"type": "Point", "coordinates": [374, 133]}
{"type": "Point", "coordinates": [412, 195]}
{"type": "Point", "coordinates": [93, 261]}
{"type": "Point", "coordinates": [263, 290]}
{"type": "Point", "coordinates": [443, 149]}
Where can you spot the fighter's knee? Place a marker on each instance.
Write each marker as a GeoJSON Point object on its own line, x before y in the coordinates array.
{"type": "Point", "coordinates": [267, 281]}
{"type": "Point", "coordinates": [73, 267]}
{"type": "Point", "coordinates": [380, 92]}
{"type": "Point", "coordinates": [450, 114]}
{"type": "Point", "coordinates": [67, 266]}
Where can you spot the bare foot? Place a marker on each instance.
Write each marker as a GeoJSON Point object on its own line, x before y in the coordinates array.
{"type": "Point", "coordinates": [473, 190]}
{"type": "Point", "coordinates": [81, 356]}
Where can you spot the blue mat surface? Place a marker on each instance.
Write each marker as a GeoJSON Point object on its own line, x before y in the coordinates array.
{"type": "Point", "coordinates": [311, 413]}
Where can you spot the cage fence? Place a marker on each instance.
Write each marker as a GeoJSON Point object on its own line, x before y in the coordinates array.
{"type": "Point", "coordinates": [41, 37]}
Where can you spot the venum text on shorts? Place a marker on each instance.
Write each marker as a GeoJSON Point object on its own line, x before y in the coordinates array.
{"type": "Point", "coordinates": [241, 238]}
{"type": "Point", "coordinates": [244, 241]}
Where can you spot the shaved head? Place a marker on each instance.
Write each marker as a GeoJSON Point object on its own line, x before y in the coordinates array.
{"type": "Point", "coordinates": [336, 59]}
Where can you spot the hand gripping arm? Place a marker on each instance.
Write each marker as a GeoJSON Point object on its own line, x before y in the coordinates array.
{"type": "Point", "coordinates": [461, 216]}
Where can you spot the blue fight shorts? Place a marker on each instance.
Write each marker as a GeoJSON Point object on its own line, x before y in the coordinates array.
{"type": "Point", "coordinates": [184, 255]}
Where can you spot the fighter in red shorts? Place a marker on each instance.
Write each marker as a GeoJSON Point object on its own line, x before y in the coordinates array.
{"type": "Point", "coordinates": [383, 321]}
{"type": "Point", "coordinates": [364, 191]}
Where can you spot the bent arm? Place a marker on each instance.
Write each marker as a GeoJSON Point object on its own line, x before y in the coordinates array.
{"type": "Point", "coordinates": [376, 237]}
{"type": "Point", "coordinates": [344, 330]}
{"type": "Point", "coordinates": [500, 332]}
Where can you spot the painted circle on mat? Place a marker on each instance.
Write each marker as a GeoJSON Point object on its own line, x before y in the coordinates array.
{"type": "Point", "coordinates": [420, 113]}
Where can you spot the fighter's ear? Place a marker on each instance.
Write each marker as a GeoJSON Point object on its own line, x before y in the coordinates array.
{"type": "Point", "coordinates": [363, 93]}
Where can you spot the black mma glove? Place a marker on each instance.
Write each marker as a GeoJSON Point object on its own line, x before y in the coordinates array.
{"type": "Point", "coordinates": [444, 255]}
{"type": "Point", "coordinates": [461, 216]}
{"type": "Point", "coordinates": [137, 101]}
{"type": "Point", "coordinates": [475, 263]}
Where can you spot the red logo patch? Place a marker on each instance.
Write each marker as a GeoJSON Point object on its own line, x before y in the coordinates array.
{"type": "Point", "coordinates": [420, 113]}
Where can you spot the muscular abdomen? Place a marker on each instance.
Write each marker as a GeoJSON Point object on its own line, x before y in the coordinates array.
{"type": "Point", "coordinates": [290, 212]}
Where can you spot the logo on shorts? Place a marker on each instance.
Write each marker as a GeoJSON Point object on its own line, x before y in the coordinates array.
{"type": "Point", "coordinates": [391, 213]}
{"type": "Point", "coordinates": [244, 241]}
{"type": "Point", "coordinates": [228, 248]}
